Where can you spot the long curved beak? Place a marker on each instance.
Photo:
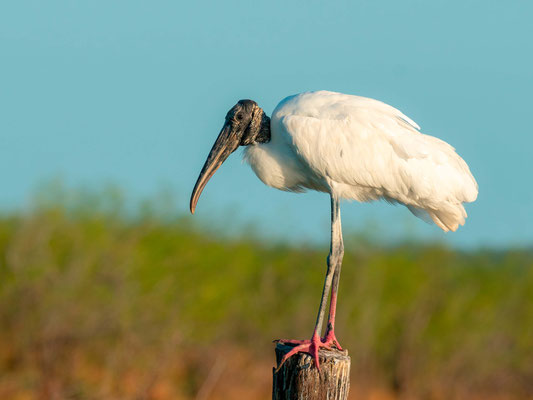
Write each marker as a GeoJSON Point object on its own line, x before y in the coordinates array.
{"type": "Point", "coordinates": [226, 143]}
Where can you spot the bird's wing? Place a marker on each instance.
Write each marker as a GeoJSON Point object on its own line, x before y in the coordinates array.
{"type": "Point", "coordinates": [364, 143]}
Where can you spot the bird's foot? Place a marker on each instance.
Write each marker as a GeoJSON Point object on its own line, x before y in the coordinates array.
{"type": "Point", "coordinates": [328, 340]}
{"type": "Point", "coordinates": [292, 342]}
{"type": "Point", "coordinates": [310, 347]}
{"type": "Point", "coordinates": [331, 340]}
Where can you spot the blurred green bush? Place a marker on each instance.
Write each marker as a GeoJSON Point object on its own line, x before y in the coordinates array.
{"type": "Point", "coordinates": [96, 302]}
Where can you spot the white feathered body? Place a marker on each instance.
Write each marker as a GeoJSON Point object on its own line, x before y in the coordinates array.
{"type": "Point", "coordinates": [361, 149]}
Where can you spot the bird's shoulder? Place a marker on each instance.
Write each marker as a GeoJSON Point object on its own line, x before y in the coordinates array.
{"type": "Point", "coordinates": [325, 105]}
{"type": "Point", "coordinates": [331, 121]}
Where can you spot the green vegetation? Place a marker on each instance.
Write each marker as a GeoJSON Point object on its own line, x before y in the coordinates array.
{"type": "Point", "coordinates": [95, 304]}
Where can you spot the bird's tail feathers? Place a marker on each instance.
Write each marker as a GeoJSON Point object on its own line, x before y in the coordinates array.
{"type": "Point", "coordinates": [447, 217]}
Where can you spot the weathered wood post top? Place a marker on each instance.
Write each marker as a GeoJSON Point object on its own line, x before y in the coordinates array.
{"type": "Point", "coordinates": [299, 379]}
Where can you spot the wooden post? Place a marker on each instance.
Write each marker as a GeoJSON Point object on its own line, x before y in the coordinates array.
{"type": "Point", "coordinates": [299, 379]}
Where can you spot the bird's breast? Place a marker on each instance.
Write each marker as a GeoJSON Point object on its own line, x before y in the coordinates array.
{"type": "Point", "coordinates": [276, 165]}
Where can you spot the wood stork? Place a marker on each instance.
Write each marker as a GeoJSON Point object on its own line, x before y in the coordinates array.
{"type": "Point", "coordinates": [353, 148]}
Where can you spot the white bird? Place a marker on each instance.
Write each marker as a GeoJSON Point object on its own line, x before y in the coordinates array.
{"type": "Point", "coordinates": [353, 148]}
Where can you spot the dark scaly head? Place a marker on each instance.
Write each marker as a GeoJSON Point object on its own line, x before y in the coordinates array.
{"type": "Point", "coordinates": [246, 124]}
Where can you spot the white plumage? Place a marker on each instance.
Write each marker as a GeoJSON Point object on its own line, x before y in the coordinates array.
{"type": "Point", "coordinates": [350, 147]}
{"type": "Point", "coordinates": [361, 149]}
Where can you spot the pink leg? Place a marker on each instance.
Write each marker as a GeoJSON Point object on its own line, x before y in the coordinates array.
{"type": "Point", "coordinates": [312, 346]}
{"type": "Point", "coordinates": [330, 338]}
{"type": "Point", "coordinates": [330, 330]}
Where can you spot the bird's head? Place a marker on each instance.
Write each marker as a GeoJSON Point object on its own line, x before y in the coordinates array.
{"type": "Point", "coordinates": [246, 124]}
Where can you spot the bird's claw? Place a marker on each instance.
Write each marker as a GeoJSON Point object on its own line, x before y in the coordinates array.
{"type": "Point", "coordinates": [310, 347]}
{"type": "Point", "coordinates": [332, 340]}
{"type": "Point", "coordinates": [292, 341]}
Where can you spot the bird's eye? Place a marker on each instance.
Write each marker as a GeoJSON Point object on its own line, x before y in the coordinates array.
{"type": "Point", "coordinates": [239, 117]}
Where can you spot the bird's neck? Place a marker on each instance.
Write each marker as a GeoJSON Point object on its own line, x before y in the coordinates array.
{"type": "Point", "coordinates": [263, 136]}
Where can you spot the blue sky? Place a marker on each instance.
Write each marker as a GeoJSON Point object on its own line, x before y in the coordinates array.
{"type": "Point", "coordinates": [135, 92]}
